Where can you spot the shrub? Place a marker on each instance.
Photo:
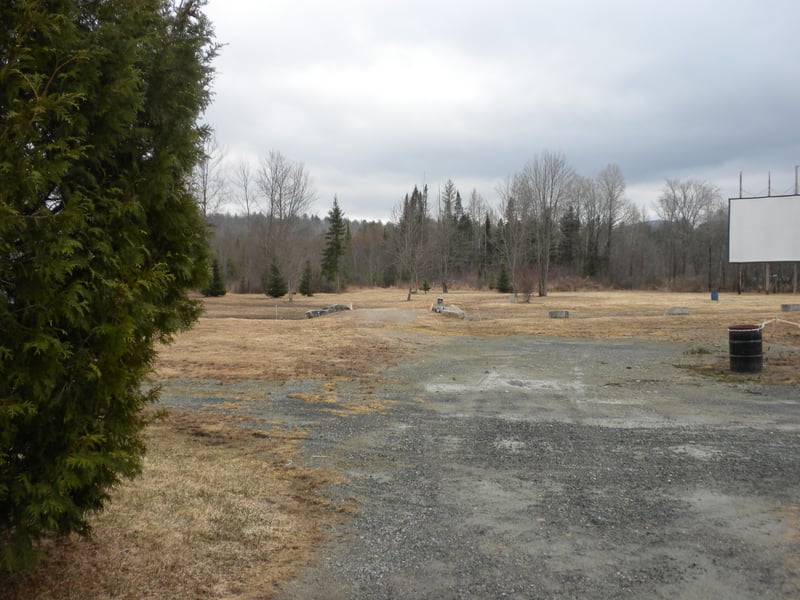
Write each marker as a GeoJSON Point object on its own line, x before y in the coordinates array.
{"type": "Point", "coordinates": [100, 242]}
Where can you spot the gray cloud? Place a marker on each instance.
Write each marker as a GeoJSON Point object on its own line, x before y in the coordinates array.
{"type": "Point", "coordinates": [377, 97]}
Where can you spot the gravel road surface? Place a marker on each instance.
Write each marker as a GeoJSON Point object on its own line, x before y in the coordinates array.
{"type": "Point", "coordinates": [528, 467]}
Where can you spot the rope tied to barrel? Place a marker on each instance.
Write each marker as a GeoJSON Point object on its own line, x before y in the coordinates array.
{"type": "Point", "coordinates": [776, 320]}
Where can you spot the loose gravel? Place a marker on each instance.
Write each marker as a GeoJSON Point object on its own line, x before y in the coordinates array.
{"type": "Point", "coordinates": [530, 467]}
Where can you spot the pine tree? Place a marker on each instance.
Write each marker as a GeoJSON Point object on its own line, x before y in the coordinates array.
{"type": "Point", "coordinates": [305, 281]}
{"type": "Point", "coordinates": [276, 285]}
{"type": "Point", "coordinates": [503, 283]}
{"type": "Point", "coordinates": [570, 240]}
{"type": "Point", "coordinates": [335, 245]}
{"type": "Point", "coordinates": [410, 236]}
{"type": "Point", "coordinates": [217, 285]}
{"type": "Point", "coordinates": [100, 241]}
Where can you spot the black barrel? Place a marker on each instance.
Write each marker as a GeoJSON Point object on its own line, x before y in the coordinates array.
{"type": "Point", "coordinates": [744, 345]}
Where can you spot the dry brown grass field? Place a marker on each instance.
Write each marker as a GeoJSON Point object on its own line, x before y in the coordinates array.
{"type": "Point", "coordinates": [255, 337]}
{"type": "Point", "coordinates": [223, 511]}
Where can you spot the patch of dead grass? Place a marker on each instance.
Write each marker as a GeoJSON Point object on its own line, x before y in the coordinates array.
{"type": "Point", "coordinates": [329, 401]}
{"type": "Point", "coordinates": [327, 347]}
{"type": "Point", "coordinates": [219, 512]}
{"type": "Point", "coordinates": [240, 338]}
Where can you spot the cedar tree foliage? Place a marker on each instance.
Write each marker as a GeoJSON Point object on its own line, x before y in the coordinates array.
{"type": "Point", "coordinates": [100, 242]}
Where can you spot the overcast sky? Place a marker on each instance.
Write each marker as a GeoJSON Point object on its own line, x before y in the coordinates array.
{"type": "Point", "coordinates": [376, 97]}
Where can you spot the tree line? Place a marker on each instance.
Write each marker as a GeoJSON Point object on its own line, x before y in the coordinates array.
{"type": "Point", "coordinates": [549, 227]}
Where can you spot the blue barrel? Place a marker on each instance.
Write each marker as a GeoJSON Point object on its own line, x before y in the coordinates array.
{"type": "Point", "coordinates": [715, 295]}
{"type": "Point", "coordinates": [744, 346]}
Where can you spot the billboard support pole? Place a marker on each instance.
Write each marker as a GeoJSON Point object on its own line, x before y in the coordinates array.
{"type": "Point", "coordinates": [766, 265]}
{"type": "Point", "coordinates": [766, 278]}
{"type": "Point", "coordinates": [739, 265]}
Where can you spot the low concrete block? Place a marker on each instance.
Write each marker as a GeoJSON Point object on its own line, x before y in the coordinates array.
{"type": "Point", "coordinates": [319, 312]}
{"type": "Point", "coordinates": [559, 314]}
{"type": "Point", "coordinates": [790, 307]}
{"type": "Point", "coordinates": [678, 310]}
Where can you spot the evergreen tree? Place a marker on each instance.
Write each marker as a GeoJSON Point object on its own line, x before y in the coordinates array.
{"type": "Point", "coordinates": [276, 285]}
{"type": "Point", "coordinates": [335, 245]}
{"type": "Point", "coordinates": [217, 285]}
{"type": "Point", "coordinates": [305, 281]}
{"type": "Point", "coordinates": [410, 236]}
{"type": "Point", "coordinates": [347, 268]}
{"type": "Point", "coordinates": [503, 283]}
{"type": "Point", "coordinates": [446, 233]}
{"type": "Point", "coordinates": [570, 237]}
{"type": "Point", "coordinates": [100, 241]}
{"type": "Point", "coordinates": [487, 245]}
{"type": "Point", "coordinates": [592, 262]}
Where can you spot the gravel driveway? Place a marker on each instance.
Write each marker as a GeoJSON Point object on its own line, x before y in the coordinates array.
{"type": "Point", "coordinates": [528, 467]}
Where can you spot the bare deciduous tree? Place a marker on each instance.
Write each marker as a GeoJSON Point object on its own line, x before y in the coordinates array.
{"type": "Point", "coordinates": [610, 191]}
{"type": "Point", "coordinates": [286, 187]}
{"type": "Point", "coordinates": [683, 205]}
{"type": "Point", "coordinates": [245, 192]}
{"type": "Point", "coordinates": [584, 194]}
{"type": "Point", "coordinates": [286, 194]}
{"type": "Point", "coordinates": [546, 180]}
{"type": "Point", "coordinates": [687, 202]}
{"type": "Point", "coordinates": [208, 179]}
{"type": "Point", "coordinates": [479, 215]}
{"type": "Point", "coordinates": [514, 233]}
{"type": "Point", "coordinates": [411, 218]}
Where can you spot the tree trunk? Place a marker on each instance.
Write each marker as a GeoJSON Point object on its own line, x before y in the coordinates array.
{"type": "Point", "coordinates": [738, 279]}
{"type": "Point", "coordinates": [543, 282]}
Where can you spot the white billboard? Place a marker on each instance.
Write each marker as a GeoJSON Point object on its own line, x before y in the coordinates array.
{"type": "Point", "coordinates": [764, 229]}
